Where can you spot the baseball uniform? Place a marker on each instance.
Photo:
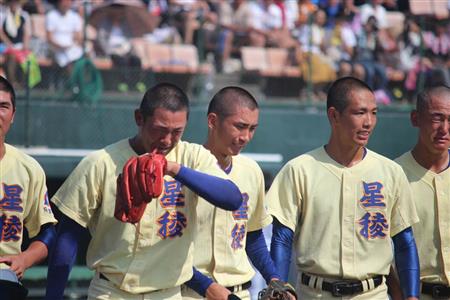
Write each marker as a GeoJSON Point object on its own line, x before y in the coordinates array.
{"type": "Point", "coordinates": [343, 217]}
{"type": "Point", "coordinates": [156, 253]}
{"type": "Point", "coordinates": [221, 235]}
{"type": "Point", "coordinates": [24, 200]}
{"type": "Point", "coordinates": [431, 194]}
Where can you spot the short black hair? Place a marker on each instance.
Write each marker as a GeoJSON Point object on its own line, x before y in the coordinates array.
{"type": "Point", "coordinates": [164, 95]}
{"type": "Point", "coordinates": [6, 86]}
{"type": "Point", "coordinates": [224, 101]}
{"type": "Point", "coordinates": [339, 92]}
{"type": "Point", "coordinates": [424, 96]}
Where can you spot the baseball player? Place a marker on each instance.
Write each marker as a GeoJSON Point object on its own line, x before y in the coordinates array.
{"type": "Point", "coordinates": [225, 239]}
{"type": "Point", "coordinates": [150, 259]}
{"type": "Point", "coordinates": [427, 169]}
{"type": "Point", "coordinates": [340, 205]}
{"type": "Point", "coordinates": [24, 204]}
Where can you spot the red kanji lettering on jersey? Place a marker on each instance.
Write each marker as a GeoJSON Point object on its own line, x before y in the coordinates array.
{"type": "Point", "coordinates": [11, 228]}
{"type": "Point", "coordinates": [242, 212]}
{"type": "Point", "coordinates": [372, 195]}
{"type": "Point", "coordinates": [11, 200]}
{"type": "Point", "coordinates": [171, 224]}
{"type": "Point", "coordinates": [237, 236]}
{"type": "Point", "coordinates": [373, 225]}
{"type": "Point", "coordinates": [172, 197]}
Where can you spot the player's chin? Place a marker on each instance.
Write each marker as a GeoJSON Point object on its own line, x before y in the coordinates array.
{"type": "Point", "coordinates": [441, 146]}
{"type": "Point", "coordinates": [361, 142]}
{"type": "Point", "coordinates": [235, 150]}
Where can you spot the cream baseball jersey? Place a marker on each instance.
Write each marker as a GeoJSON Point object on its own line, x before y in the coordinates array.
{"type": "Point", "coordinates": [154, 254]}
{"type": "Point", "coordinates": [431, 194]}
{"type": "Point", "coordinates": [24, 200]}
{"type": "Point", "coordinates": [343, 217]}
{"type": "Point", "coordinates": [221, 235]}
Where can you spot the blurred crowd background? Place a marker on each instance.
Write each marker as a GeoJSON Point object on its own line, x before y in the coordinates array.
{"type": "Point", "coordinates": [288, 48]}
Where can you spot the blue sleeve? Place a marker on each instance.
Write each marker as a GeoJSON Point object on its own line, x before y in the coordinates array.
{"type": "Point", "coordinates": [47, 235]}
{"type": "Point", "coordinates": [259, 255]}
{"type": "Point", "coordinates": [281, 248]}
{"type": "Point", "coordinates": [407, 262]}
{"type": "Point", "coordinates": [199, 282]}
{"type": "Point", "coordinates": [220, 192]}
{"type": "Point", "coordinates": [62, 257]}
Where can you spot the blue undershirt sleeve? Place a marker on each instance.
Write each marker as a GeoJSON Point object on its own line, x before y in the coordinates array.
{"type": "Point", "coordinates": [47, 235]}
{"type": "Point", "coordinates": [407, 262]}
{"type": "Point", "coordinates": [281, 248]}
{"type": "Point", "coordinates": [259, 255]}
{"type": "Point", "coordinates": [62, 257]}
{"type": "Point", "coordinates": [199, 282]}
{"type": "Point", "coordinates": [220, 192]}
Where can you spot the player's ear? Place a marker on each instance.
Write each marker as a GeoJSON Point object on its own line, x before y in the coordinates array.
{"type": "Point", "coordinates": [212, 120]}
{"type": "Point", "coordinates": [332, 114]}
{"type": "Point", "coordinates": [414, 116]}
{"type": "Point", "coordinates": [139, 117]}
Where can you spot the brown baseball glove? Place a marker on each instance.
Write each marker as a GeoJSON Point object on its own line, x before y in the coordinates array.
{"type": "Point", "coordinates": [277, 290]}
{"type": "Point", "coordinates": [141, 181]}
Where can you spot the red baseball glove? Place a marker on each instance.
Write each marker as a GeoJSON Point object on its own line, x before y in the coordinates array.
{"type": "Point", "coordinates": [141, 181]}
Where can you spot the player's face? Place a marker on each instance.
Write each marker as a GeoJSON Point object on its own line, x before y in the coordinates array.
{"type": "Point", "coordinates": [434, 125]}
{"type": "Point", "coordinates": [234, 132]}
{"type": "Point", "coordinates": [162, 131]}
{"type": "Point", "coordinates": [6, 113]}
{"type": "Point", "coordinates": [356, 123]}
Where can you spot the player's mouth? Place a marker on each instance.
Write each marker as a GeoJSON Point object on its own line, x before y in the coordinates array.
{"type": "Point", "coordinates": [163, 150]}
{"type": "Point", "coordinates": [363, 135]}
{"type": "Point", "coordinates": [441, 140]}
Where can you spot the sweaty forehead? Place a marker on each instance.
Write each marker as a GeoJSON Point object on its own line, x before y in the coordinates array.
{"type": "Point", "coordinates": [5, 96]}
{"type": "Point", "coordinates": [361, 98]}
{"type": "Point", "coordinates": [437, 103]}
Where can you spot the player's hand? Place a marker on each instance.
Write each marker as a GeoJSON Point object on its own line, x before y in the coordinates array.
{"type": "Point", "coordinates": [172, 168]}
{"type": "Point", "coordinates": [16, 264]}
{"type": "Point", "coordinates": [217, 292]}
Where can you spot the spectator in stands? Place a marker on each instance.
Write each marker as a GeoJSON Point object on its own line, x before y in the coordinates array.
{"type": "Point", "coordinates": [316, 66]}
{"type": "Point", "coordinates": [34, 7]}
{"type": "Point", "coordinates": [374, 8]}
{"type": "Point", "coordinates": [114, 38]}
{"type": "Point", "coordinates": [269, 25]}
{"type": "Point", "coordinates": [64, 34]}
{"type": "Point", "coordinates": [305, 11]}
{"type": "Point", "coordinates": [437, 44]}
{"type": "Point", "coordinates": [351, 12]}
{"type": "Point", "coordinates": [433, 67]}
{"type": "Point", "coordinates": [367, 52]}
{"type": "Point", "coordinates": [341, 43]}
{"type": "Point", "coordinates": [411, 62]}
{"type": "Point", "coordinates": [332, 8]}
{"type": "Point", "coordinates": [189, 16]}
{"type": "Point", "coordinates": [15, 34]}
{"type": "Point", "coordinates": [234, 20]}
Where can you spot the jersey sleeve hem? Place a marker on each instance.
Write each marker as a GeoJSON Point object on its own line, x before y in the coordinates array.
{"type": "Point", "coordinates": [283, 221]}
{"type": "Point", "coordinates": [263, 223]}
{"type": "Point", "coordinates": [396, 230]}
{"type": "Point", "coordinates": [68, 212]}
{"type": "Point", "coordinates": [33, 233]}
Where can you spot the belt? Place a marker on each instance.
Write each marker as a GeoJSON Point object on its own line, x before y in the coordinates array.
{"type": "Point", "coordinates": [239, 287]}
{"type": "Point", "coordinates": [343, 287]}
{"type": "Point", "coordinates": [437, 291]}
